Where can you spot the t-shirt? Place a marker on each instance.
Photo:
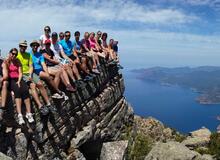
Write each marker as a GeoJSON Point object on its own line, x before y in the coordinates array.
{"type": "Point", "coordinates": [77, 44]}
{"type": "Point", "coordinates": [25, 60]}
{"type": "Point", "coordinates": [43, 38]}
{"type": "Point", "coordinates": [86, 42]}
{"type": "Point", "coordinates": [49, 53]}
{"type": "Point", "coordinates": [56, 48]}
{"type": "Point", "coordinates": [67, 47]}
{"type": "Point", "coordinates": [37, 59]}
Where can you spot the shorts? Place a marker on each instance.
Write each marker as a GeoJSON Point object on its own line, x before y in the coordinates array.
{"type": "Point", "coordinates": [89, 54]}
{"type": "Point", "coordinates": [37, 71]}
{"type": "Point", "coordinates": [35, 78]}
{"type": "Point", "coordinates": [63, 61]}
{"type": "Point", "coordinates": [55, 67]}
{"type": "Point", "coordinates": [72, 57]}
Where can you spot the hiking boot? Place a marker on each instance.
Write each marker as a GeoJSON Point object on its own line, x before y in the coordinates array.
{"type": "Point", "coordinates": [29, 117]}
{"type": "Point", "coordinates": [52, 108]}
{"type": "Point", "coordinates": [70, 88]}
{"type": "Point", "coordinates": [79, 83]}
{"type": "Point", "coordinates": [20, 119]}
{"type": "Point", "coordinates": [87, 78]}
{"type": "Point", "coordinates": [92, 75]}
{"type": "Point", "coordinates": [44, 110]}
{"type": "Point", "coordinates": [96, 71]}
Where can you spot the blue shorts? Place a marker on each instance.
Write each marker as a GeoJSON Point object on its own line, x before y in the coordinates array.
{"type": "Point", "coordinates": [37, 71]}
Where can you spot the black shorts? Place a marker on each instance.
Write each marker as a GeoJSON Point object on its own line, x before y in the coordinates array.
{"type": "Point", "coordinates": [19, 92]}
{"type": "Point", "coordinates": [72, 57]}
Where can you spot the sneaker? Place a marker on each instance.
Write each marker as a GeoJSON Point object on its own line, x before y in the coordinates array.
{"type": "Point", "coordinates": [57, 96]}
{"type": "Point", "coordinates": [70, 88]}
{"type": "Point", "coordinates": [96, 71]}
{"type": "Point", "coordinates": [20, 119]}
{"type": "Point", "coordinates": [64, 96]}
{"type": "Point", "coordinates": [51, 108]}
{"type": "Point", "coordinates": [92, 75]}
{"type": "Point", "coordinates": [29, 117]}
{"type": "Point", "coordinates": [87, 78]}
{"type": "Point", "coordinates": [44, 110]}
{"type": "Point", "coordinates": [80, 84]}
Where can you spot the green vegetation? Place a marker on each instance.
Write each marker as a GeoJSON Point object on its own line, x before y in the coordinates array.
{"type": "Point", "coordinates": [177, 136]}
{"type": "Point", "coordinates": [139, 145]}
{"type": "Point", "coordinates": [213, 147]}
{"type": "Point", "coordinates": [140, 148]}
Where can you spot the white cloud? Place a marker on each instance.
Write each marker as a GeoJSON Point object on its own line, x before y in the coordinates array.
{"type": "Point", "coordinates": [26, 19]}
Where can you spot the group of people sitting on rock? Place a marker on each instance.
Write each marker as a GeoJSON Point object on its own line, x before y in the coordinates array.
{"type": "Point", "coordinates": [52, 59]}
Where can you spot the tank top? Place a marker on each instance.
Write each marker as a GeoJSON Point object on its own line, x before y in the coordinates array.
{"type": "Point", "coordinates": [92, 43]}
{"type": "Point", "coordinates": [13, 70]}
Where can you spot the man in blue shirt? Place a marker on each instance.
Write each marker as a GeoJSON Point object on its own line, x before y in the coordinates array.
{"type": "Point", "coordinates": [40, 71]}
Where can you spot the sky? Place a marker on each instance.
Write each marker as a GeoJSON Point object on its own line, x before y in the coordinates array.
{"type": "Point", "coordinates": [150, 32]}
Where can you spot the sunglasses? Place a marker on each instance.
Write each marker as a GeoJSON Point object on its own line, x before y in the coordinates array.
{"type": "Point", "coordinates": [23, 46]}
{"type": "Point", "coordinates": [67, 35]}
{"type": "Point", "coordinates": [35, 45]}
{"type": "Point", "coordinates": [14, 53]}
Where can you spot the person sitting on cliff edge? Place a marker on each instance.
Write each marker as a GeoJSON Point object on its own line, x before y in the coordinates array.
{"type": "Point", "coordinates": [38, 74]}
{"type": "Point", "coordinates": [4, 87]}
{"type": "Point", "coordinates": [67, 46]}
{"type": "Point", "coordinates": [71, 69]}
{"type": "Point", "coordinates": [18, 86]}
{"type": "Point", "coordinates": [55, 68]}
{"type": "Point", "coordinates": [82, 59]}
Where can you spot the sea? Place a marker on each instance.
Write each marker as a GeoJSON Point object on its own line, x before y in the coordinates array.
{"type": "Point", "coordinates": [174, 106]}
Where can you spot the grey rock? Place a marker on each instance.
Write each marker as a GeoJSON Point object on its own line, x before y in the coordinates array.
{"type": "Point", "coordinates": [172, 151]}
{"type": "Point", "coordinates": [114, 150]}
{"type": "Point", "coordinates": [76, 155]}
{"type": "Point", "coordinates": [207, 157]}
{"type": "Point", "coordinates": [198, 138]}
{"type": "Point", "coordinates": [4, 157]}
{"type": "Point", "coordinates": [203, 132]}
{"type": "Point", "coordinates": [194, 142]}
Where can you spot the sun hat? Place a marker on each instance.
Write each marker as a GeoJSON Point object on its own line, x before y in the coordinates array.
{"type": "Point", "coordinates": [34, 42]}
{"type": "Point", "coordinates": [23, 43]}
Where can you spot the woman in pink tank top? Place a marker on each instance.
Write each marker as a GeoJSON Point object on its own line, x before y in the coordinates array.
{"type": "Point", "coordinates": [18, 86]}
{"type": "Point", "coordinates": [94, 45]}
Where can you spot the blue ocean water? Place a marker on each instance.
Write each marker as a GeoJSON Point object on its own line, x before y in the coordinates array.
{"type": "Point", "coordinates": [173, 105]}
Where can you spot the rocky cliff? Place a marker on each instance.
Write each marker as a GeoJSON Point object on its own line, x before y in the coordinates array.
{"type": "Point", "coordinates": [77, 130]}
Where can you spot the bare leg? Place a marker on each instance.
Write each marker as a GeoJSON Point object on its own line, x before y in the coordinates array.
{"type": "Point", "coordinates": [35, 95]}
{"type": "Point", "coordinates": [64, 77]}
{"type": "Point", "coordinates": [43, 92]}
{"type": "Point", "coordinates": [4, 93]}
{"type": "Point", "coordinates": [69, 72]}
{"type": "Point", "coordinates": [52, 82]}
{"type": "Point", "coordinates": [28, 105]}
{"type": "Point", "coordinates": [18, 105]}
{"type": "Point", "coordinates": [75, 71]}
